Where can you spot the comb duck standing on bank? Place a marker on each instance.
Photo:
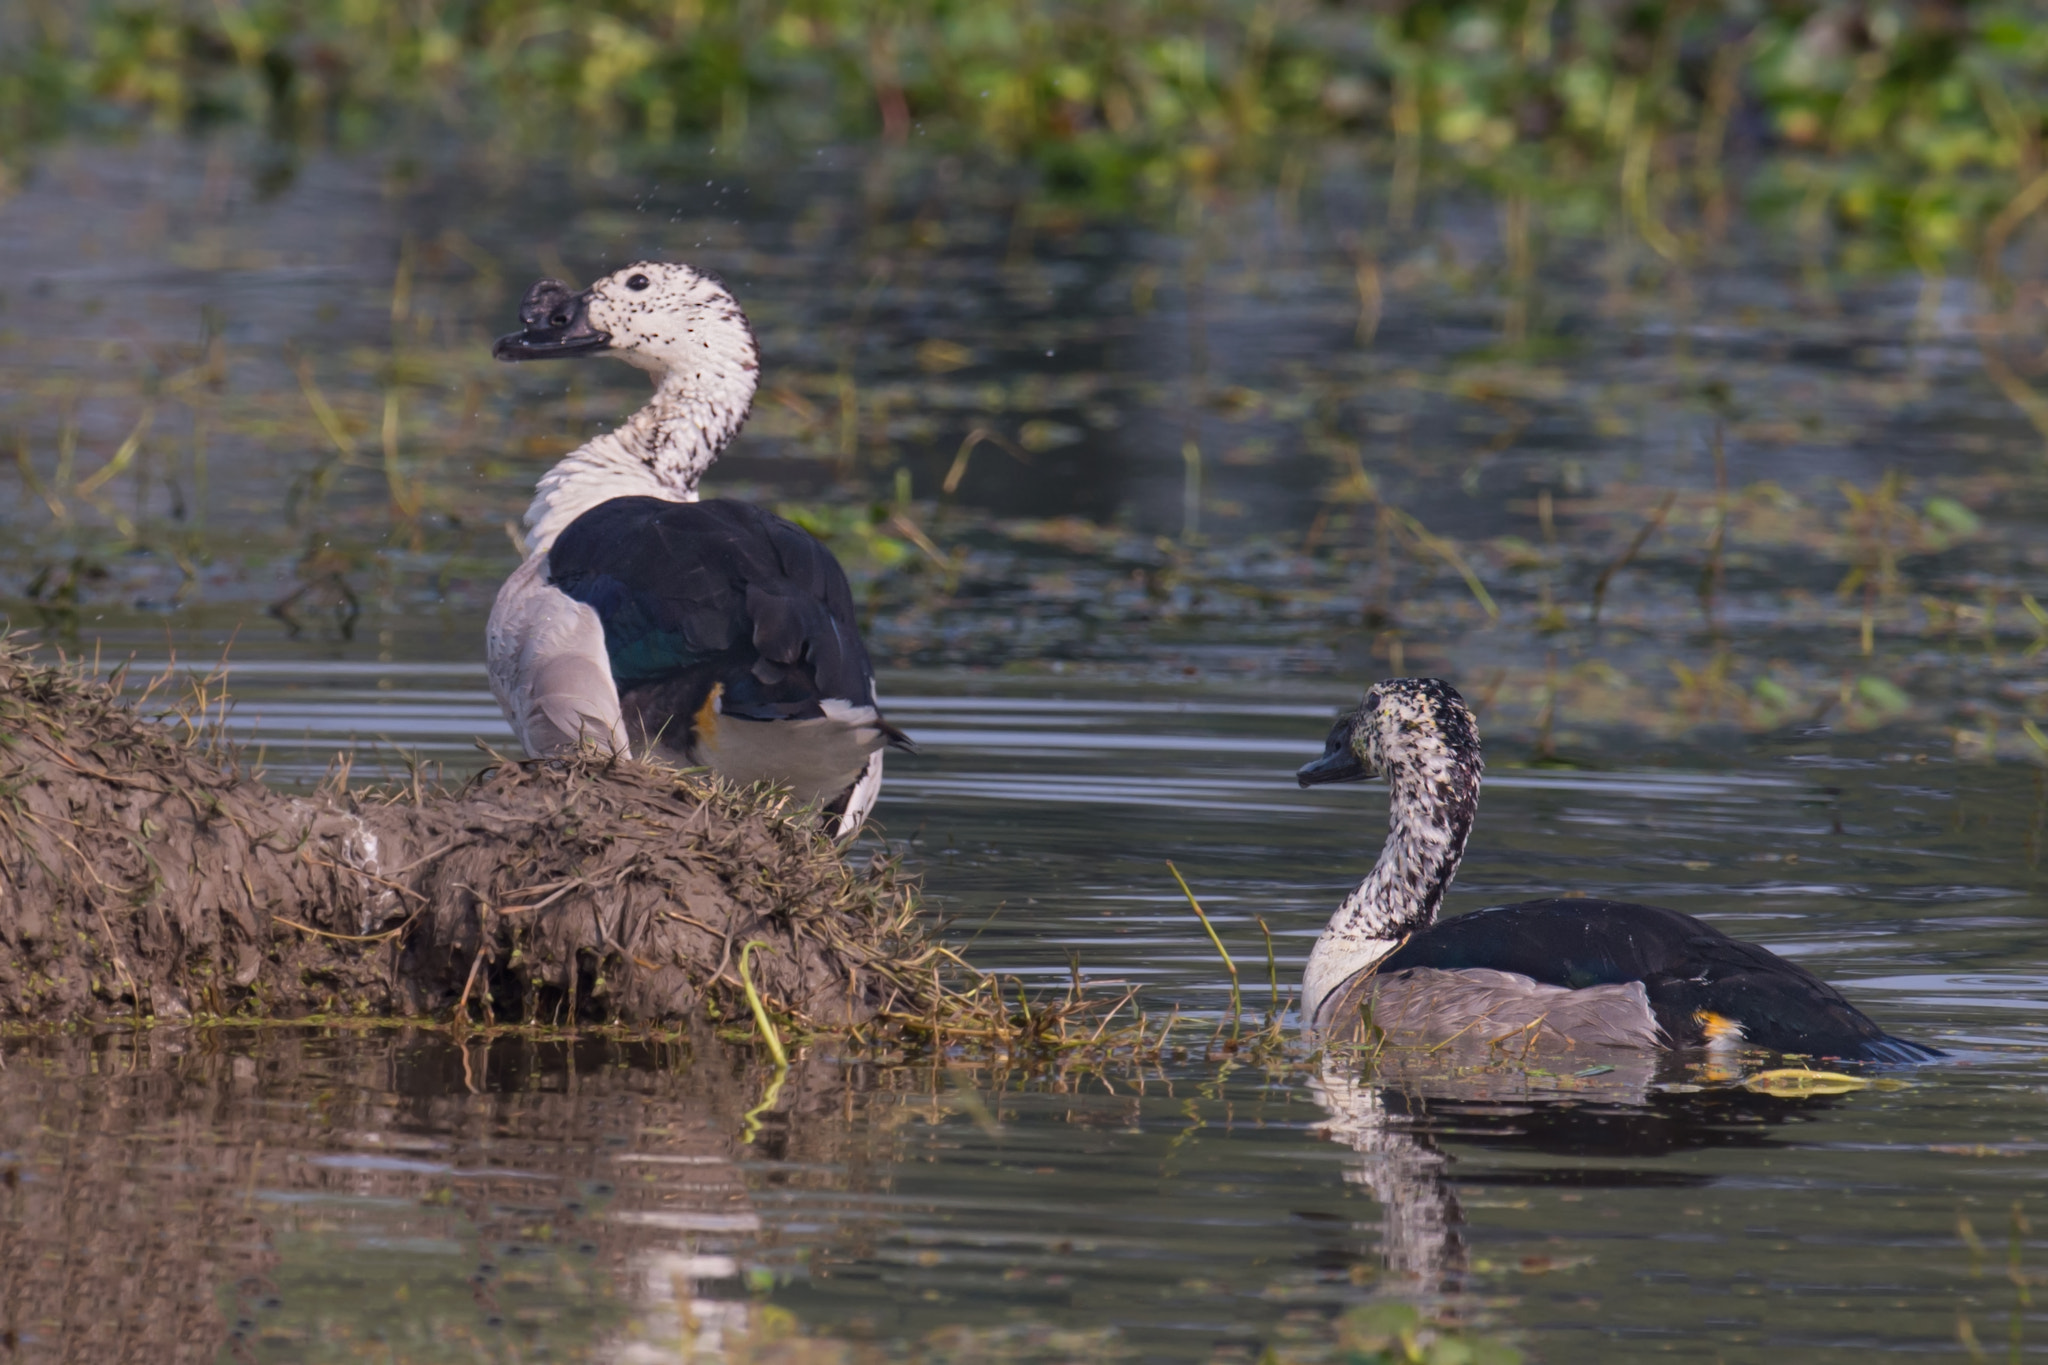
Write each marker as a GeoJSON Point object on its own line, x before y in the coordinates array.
{"type": "Point", "coordinates": [711, 633]}
{"type": "Point", "coordinates": [1541, 974]}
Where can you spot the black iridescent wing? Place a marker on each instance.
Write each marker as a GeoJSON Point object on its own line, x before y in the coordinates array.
{"type": "Point", "coordinates": [714, 594]}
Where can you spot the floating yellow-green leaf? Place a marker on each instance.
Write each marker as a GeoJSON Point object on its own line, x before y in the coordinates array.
{"type": "Point", "coordinates": [1797, 1080]}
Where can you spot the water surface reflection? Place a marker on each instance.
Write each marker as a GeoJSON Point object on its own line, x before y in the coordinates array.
{"type": "Point", "coordinates": [326, 1193]}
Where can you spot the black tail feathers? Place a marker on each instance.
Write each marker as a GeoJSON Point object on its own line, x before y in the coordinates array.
{"type": "Point", "coordinates": [1886, 1048]}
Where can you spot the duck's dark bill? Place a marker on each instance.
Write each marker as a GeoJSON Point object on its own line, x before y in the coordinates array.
{"type": "Point", "coordinates": [557, 324]}
{"type": "Point", "coordinates": [1338, 763]}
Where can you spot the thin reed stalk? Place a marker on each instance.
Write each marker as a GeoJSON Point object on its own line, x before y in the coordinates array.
{"type": "Point", "coordinates": [1272, 968]}
{"type": "Point", "coordinates": [1236, 999]}
{"type": "Point", "coordinates": [760, 1010]}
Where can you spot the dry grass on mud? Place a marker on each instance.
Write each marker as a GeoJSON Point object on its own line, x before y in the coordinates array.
{"type": "Point", "coordinates": [145, 873]}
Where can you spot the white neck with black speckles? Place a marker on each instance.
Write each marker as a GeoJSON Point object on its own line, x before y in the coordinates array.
{"type": "Point", "coordinates": [661, 451]}
{"type": "Point", "coordinates": [1433, 793]}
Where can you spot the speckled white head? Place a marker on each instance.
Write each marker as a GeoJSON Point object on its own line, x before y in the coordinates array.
{"type": "Point", "coordinates": [672, 320]}
{"type": "Point", "coordinates": [1419, 734]}
{"type": "Point", "coordinates": [1405, 728]}
{"type": "Point", "coordinates": [685, 329]}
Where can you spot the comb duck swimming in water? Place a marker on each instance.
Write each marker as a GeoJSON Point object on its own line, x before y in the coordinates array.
{"type": "Point", "coordinates": [1554, 973]}
{"type": "Point", "coordinates": [705, 633]}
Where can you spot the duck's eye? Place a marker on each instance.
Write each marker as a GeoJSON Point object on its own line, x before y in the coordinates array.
{"type": "Point", "coordinates": [637, 282]}
{"type": "Point", "coordinates": [558, 319]}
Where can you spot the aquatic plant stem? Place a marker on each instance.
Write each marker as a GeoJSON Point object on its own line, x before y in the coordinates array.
{"type": "Point", "coordinates": [752, 1117]}
{"type": "Point", "coordinates": [123, 456]}
{"type": "Point", "coordinates": [1236, 1001]}
{"type": "Point", "coordinates": [1272, 969]}
{"type": "Point", "coordinates": [1712, 574]}
{"type": "Point", "coordinates": [1435, 544]}
{"type": "Point", "coordinates": [1635, 546]}
{"type": "Point", "coordinates": [761, 1019]}
{"type": "Point", "coordinates": [958, 470]}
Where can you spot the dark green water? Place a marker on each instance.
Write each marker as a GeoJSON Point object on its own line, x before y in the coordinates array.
{"type": "Point", "coordinates": [1092, 701]}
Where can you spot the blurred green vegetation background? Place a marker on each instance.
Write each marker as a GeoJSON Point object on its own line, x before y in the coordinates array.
{"type": "Point", "coordinates": [1915, 127]}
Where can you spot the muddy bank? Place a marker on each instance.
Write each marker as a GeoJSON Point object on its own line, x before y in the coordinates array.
{"type": "Point", "coordinates": [143, 872]}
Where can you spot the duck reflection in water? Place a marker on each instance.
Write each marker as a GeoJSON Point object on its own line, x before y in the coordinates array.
{"type": "Point", "coordinates": [1397, 1107]}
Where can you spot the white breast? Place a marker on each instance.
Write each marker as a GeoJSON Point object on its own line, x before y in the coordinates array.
{"type": "Point", "coordinates": [549, 670]}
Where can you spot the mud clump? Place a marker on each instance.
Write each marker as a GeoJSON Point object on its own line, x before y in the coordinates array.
{"type": "Point", "coordinates": [144, 872]}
